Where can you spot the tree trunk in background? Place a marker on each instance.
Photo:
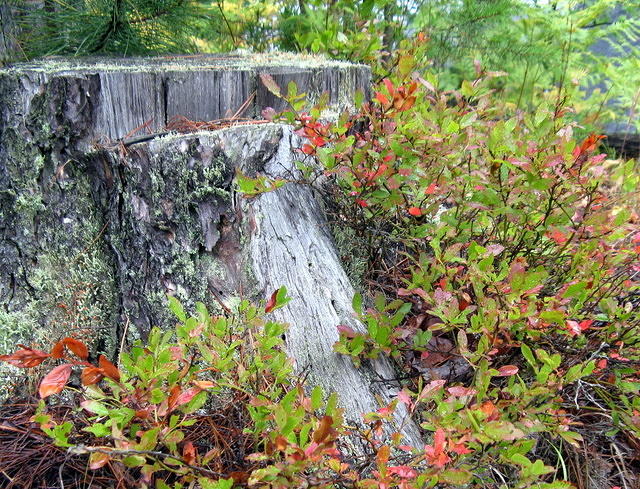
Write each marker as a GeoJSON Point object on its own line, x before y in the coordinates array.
{"type": "Point", "coordinates": [93, 238]}
{"type": "Point", "coordinates": [8, 45]}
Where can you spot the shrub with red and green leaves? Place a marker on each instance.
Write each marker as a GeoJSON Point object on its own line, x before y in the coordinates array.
{"type": "Point", "coordinates": [505, 251]}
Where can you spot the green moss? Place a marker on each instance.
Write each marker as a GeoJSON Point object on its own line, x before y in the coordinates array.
{"type": "Point", "coordinates": [351, 253]}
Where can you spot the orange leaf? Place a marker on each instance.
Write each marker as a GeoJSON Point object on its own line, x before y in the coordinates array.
{"type": "Point", "coordinates": [407, 104]}
{"type": "Point", "coordinates": [98, 460]}
{"type": "Point", "coordinates": [382, 457]}
{"type": "Point", "coordinates": [281, 443]}
{"type": "Point", "coordinates": [108, 368]}
{"type": "Point", "coordinates": [58, 350]}
{"type": "Point", "coordinates": [204, 384]}
{"type": "Point", "coordinates": [25, 358]}
{"type": "Point", "coordinates": [55, 380]}
{"type": "Point", "coordinates": [431, 189]}
{"type": "Point", "coordinates": [91, 375]}
{"type": "Point", "coordinates": [77, 347]}
{"type": "Point", "coordinates": [189, 453]}
{"type": "Point", "coordinates": [323, 430]}
{"type": "Point", "coordinates": [173, 397]}
{"type": "Point", "coordinates": [589, 144]}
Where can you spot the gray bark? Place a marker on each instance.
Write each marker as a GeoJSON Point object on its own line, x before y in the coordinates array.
{"type": "Point", "coordinates": [110, 232]}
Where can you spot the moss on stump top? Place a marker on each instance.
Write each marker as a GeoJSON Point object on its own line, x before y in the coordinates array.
{"type": "Point", "coordinates": [171, 63]}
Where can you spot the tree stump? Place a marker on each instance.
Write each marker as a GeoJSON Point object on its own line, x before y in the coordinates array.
{"type": "Point", "coordinates": [93, 236]}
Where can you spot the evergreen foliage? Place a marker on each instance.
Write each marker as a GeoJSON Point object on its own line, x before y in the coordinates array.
{"type": "Point", "coordinates": [123, 27]}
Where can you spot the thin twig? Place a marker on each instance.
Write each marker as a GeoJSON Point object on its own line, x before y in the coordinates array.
{"type": "Point", "coordinates": [84, 450]}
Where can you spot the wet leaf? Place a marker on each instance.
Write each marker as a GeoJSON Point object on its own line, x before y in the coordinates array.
{"type": "Point", "coordinates": [91, 375]}
{"type": "Point", "coordinates": [108, 368]}
{"type": "Point", "coordinates": [54, 381]}
{"type": "Point", "coordinates": [77, 347]}
{"type": "Point", "coordinates": [25, 358]}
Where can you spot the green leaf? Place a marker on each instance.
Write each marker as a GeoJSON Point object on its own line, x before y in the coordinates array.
{"type": "Point", "coordinates": [148, 440]}
{"type": "Point", "coordinates": [457, 477]}
{"type": "Point", "coordinates": [406, 65]}
{"type": "Point", "coordinates": [98, 430]}
{"type": "Point", "coordinates": [207, 483]}
{"type": "Point", "coordinates": [357, 303]}
{"type": "Point", "coordinates": [316, 397]}
{"type": "Point", "coordinates": [134, 460]}
{"type": "Point", "coordinates": [176, 308]}
{"type": "Point", "coordinates": [332, 402]}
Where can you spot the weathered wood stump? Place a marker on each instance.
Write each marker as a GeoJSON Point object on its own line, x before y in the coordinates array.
{"type": "Point", "coordinates": [93, 238]}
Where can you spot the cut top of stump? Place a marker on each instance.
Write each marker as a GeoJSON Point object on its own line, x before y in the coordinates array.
{"type": "Point", "coordinates": [124, 94]}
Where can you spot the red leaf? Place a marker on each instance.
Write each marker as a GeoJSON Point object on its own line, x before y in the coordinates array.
{"type": "Point", "coordinates": [186, 396]}
{"type": "Point", "coordinates": [431, 189]}
{"type": "Point", "coordinates": [189, 453]}
{"type": "Point", "coordinates": [308, 149]}
{"type": "Point", "coordinates": [431, 387]}
{"type": "Point", "coordinates": [439, 441]}
{"type": "Point", "coordinates": [91, 375]}
{"type": "Point", "coordinates": [460, 448]}
{"type": "Point", "coordinates": [573, 327]}
{"type": "Point", "coordinates": [346, 331]}
{"type": "Point", "coordinates": [77, 347]}
{"type": "Point", "coordinates": [558, 236]}
{"type": "Point", "coordinates": [271, 303]}
{"type": "Point", "coordinates": [403, 471]}
{"type": "Point", "coordinates": [25, 358]}
{"type": "Point", "coordinates": [415, 211]}
{"type": "Point", "coordinates": [507, 371]}
{"type": "Point", "coordinates": [404, 397]}
{"type": "Point", "coordinates": [389, 85]}
{"type": "Point", "coordinates": [460, 391]}
{"type": "Point", "coordinates": [435, 453]}
{"type": "Point", "coordinates": [380, 97]}
{"type": "Point", "coordinates": [108, 368]}
{"type": "Point", "coordinates": [54, 381]}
